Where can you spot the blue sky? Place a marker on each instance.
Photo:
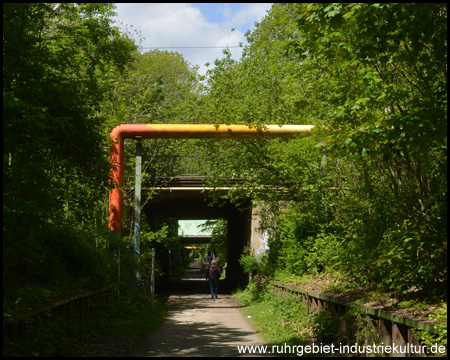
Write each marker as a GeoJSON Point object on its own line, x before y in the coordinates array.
{"type": "Point", "coordinates": [192, 25]}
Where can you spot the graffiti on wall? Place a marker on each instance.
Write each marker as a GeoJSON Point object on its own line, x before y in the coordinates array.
{"type": "Point", "coordinates": [260, 241]}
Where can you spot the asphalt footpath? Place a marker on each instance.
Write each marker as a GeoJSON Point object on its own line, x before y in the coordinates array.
{"type": "Point", "coordinates": [197, 325]}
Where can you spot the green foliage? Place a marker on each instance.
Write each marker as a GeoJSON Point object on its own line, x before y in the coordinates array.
{"type": "Point", "coordinates": [413, 305]}
{"type": "Point", "coordinates": [299, 246]}
{"type": "Point", "coordinates": [62, 260]}
{"type": "Point", "coordinates": [325, 327]}
{"type": "Point", "coordinates": [366, 332]}
{"type": "Point", "coordinates": [385, 109]}
{"type": "Point", "coordinates": [256, 291]}
{"type": "Point", "coordinates": [367, 188]}
{"type": "Point", "coordinates": [160, 87]}
{"type": "Point", "coordinates": [134, 315]}
{"type": "Point", "coordinates": [218, 243]}
{"type": "Point", "coordinates": [439, 318]}
{"type": "Point", "coordinates": [250, 263]}
{"type": "Point", "coordinates": [163, 240]}
{"type": "Point", "coordinates": [166, 238]}
{"type": "Point", "coordinates": [279, 318]}
{"type": "Point", "coordinates": [44, 342]}
{"type": "Point", "coordinates": [60, 61]}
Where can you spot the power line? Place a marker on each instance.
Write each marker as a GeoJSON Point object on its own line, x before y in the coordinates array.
{"type": "Point", "coordinates": [190, 47]}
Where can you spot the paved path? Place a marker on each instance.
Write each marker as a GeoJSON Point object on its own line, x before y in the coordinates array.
{"type": "Point", "coordinates": [197, 325]}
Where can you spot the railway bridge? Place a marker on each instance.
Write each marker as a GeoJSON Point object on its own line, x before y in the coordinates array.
{"type": "Point", "coordinates": [195, 202]}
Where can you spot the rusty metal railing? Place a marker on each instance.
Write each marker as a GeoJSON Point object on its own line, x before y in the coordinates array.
{"type": "Point", "coordinates": [391, 329]}
{"type": "Point", "coordinates": [71, 313]}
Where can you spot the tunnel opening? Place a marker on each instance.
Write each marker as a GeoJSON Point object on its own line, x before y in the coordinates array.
{"type": "Point", "coordinates": [205, 240]}
{"type": "Point", "coordinates": [198, 205]}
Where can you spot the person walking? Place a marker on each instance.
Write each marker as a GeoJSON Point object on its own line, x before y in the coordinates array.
{"type": "Point", "coordinates": [213, 274]}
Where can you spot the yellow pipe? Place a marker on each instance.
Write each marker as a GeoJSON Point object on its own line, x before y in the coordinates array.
{"type": "Point", "coordinates": [179, 131]}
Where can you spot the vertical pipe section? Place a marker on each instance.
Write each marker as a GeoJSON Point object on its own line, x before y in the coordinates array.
{"type": "Point", "coordinates": [137, 197]}
{"type": "Point", "coordinates": [137, 207]}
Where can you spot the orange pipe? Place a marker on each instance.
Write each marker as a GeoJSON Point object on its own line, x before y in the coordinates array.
{"type": "Point", "coordinates": [178, 131]}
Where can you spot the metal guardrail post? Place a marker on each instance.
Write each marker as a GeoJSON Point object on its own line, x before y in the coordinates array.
{"type": "Point", "coordinates": [153, 276]}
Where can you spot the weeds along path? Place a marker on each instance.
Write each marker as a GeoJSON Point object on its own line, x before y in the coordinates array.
{"type": "Point", "coordinates": [197, 325]}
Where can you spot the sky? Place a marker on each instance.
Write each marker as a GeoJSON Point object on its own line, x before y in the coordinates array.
{"type": "Point", "coordinates": [176, 27]}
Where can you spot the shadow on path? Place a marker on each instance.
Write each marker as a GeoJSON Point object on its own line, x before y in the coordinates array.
{"type": "Point", "coordinates": [197, 325]}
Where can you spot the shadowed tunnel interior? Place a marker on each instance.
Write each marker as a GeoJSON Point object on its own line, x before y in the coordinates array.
{"type": "Point", "coordinates": [196, 204]}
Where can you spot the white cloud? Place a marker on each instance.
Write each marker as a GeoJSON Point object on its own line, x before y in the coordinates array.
{"type": "Point", "coordinates": [251, 13]}
{"type": "Point", "coordinates": [225, 10]}
{"type": "Point", "coordinates": [170, 25]}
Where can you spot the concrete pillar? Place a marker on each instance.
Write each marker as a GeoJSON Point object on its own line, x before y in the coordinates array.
{"type": "Point", "coordinates": [238, 227]}
{"type": "Point", "coordinates": [417, 345]}
{"type": "Point", "coordinates": [385, 331]}
{"type": "Point", "coordinates": [259, 236]}
{"type": "Point", "coordinates": [399, 337]}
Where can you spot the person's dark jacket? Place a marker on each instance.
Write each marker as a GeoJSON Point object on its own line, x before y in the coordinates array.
{"type": "Point", "coordinates": [213, 272]}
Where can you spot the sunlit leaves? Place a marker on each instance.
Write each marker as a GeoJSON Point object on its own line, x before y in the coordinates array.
{"type": "Point", "coordinates": [60, 61]}
{"type": "Point", "coordinates": [371, 77]}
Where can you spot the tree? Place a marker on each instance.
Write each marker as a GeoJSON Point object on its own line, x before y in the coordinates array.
{"type": "Point", "coordinates": [59, 61]}
{"type": "Point", "coordinates": [218, 243]}
{"type": "Point", "coordinates": [159, 87]}
{"type": "Point", "coordinates": [383, 82]}
{"type": "Point", "coordinates": [372, 175]}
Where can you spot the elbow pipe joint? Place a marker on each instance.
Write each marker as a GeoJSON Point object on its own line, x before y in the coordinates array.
{"type": "Point", "coordinates": [178, 131]}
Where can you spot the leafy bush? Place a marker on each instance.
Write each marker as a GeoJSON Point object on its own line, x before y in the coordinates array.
{"type": "Point", "coordinates": [252, 264]}
{"type": "Point", "coordinates": [439, 316]}
{"type": "Point", "coordinates": [299, 248]}
{"type": "Point", "coordinates": [325, 327]}
{"type": "Point", "coordinates": [63, 259]}
{"type": "Point", "coordinates": [280, 317]}
{"type": "Point", "coordinates": [69, 253]}
{"type": "Point", "coordinates": [365, 331]}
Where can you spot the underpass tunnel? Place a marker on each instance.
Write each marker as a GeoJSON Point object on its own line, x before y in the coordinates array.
{"type": "Point", "coordinates": [196, 205]}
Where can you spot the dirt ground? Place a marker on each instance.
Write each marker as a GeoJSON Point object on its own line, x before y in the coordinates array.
{"type": "Point", "coordinates": [197, 325]}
